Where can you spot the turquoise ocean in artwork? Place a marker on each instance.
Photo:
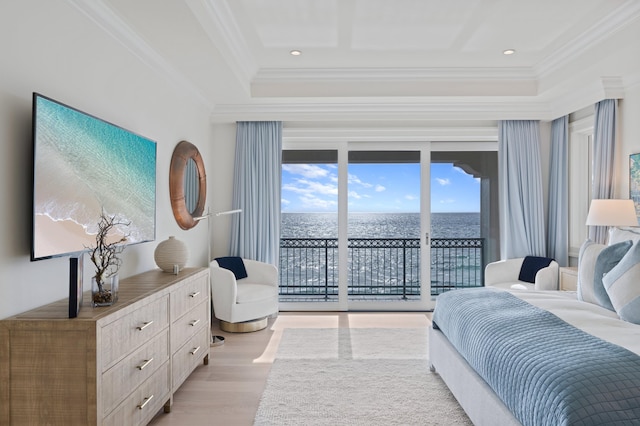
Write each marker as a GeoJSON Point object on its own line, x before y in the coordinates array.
{"type": "Point", "coordinates": [85, 164]}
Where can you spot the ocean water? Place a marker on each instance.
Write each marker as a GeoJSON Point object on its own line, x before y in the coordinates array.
{"type": "Point", "coordinates": [380, 225]}
{"type": "Point", "coordinates": [84, 164]}
{"type": "Point", "coordinates": [378, 269]}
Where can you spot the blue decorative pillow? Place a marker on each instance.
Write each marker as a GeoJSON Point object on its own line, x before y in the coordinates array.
{"type": "Point", "coordinates": [530, 267]}
{"type": "Point", "coordinates": [622, 284]}
{"type": "Point", "coordinates": [605, 262]}
{"type": "Point", "coordinates": [234, 264]}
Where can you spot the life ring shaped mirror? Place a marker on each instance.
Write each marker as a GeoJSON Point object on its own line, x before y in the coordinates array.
{"type": "Point", "coordinates": [187, 184]}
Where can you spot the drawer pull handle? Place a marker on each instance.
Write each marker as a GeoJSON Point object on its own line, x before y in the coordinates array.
{"type": "Point", "coordinates": [193, 352]}
{"type": "Point", "coordinates": [144, 364]}
{"type": "Point", "coordinates": [144, 325]}
{"type": "Point", "coordinates": [194, 322]}
{"type": "Point", "coordinates": [192, 295]}
{"type": "Point", "coordinates": [145, 402]}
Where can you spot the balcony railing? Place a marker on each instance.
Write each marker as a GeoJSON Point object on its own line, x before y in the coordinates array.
{"type": "Point", "coordinates": [387, 268]}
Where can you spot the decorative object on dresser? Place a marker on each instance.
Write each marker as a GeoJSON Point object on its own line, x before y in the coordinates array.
{"type": "Point", "coordinates": [187, 184]}
{"type": "Point", "coordinates": [105, 255]}
{"type": "Point", "coordinates": [171, 255]}
{"type": "Point", "coordinates": [112, 366]}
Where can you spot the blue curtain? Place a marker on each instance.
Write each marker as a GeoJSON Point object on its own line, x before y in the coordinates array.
{"type": "Point", "coordinates": [255, 233]}
{"type": "Point", "coordinates": [604, 136]}
{"type": "Point", "coordinates": [520, 175]}
{"type": "Point", "coordinates": [558, 218]}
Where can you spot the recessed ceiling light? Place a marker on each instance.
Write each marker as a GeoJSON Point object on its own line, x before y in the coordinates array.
{"type": "Point", "coordinates": [295, 53]}
{"type": "Point", "coordinates": [509, 52]}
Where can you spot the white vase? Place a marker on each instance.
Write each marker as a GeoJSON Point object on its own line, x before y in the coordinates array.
{"type": "Point", "coordinates": [171, 255]}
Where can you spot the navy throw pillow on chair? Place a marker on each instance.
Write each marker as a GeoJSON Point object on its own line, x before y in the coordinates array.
{"type": "Point", "coordinates": [530, 267]}
{"type": "Point", "coordinates": [234, 264]}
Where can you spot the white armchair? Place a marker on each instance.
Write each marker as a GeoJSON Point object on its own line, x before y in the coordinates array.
{"type": "Point", "coordinates": [243, 305]}
{"type": "Point", "coordinates": [505, 273]}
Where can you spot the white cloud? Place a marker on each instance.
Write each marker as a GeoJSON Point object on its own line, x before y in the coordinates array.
{"type": "Point", "coordinates": [285, 201]}
{"type": "Point", "coordinates": [410, 197]}
{"type": "Point", "coordinates": [354, 194]}
{"type": "Point", "coordinates": [302, 186]}
{"type": "Point", "coordinates": [356, 180]}
{"type": "Point", "coordinates": [380, 188]}
{"type": "Point", "coordinates": [447, 201]}
{"type": "Point", "coordinates": [443, 182]}
{"type": "Point", "coordinates": [310, 201]}
{"type": "Point", "coordinates": [306, 170]}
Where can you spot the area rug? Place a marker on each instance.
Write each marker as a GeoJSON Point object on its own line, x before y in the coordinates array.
{"type": "Point", "coordinates": [356, 377]}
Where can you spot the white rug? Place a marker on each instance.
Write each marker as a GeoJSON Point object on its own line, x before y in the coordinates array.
{"type": "Point", "coordinates": [356, 377]}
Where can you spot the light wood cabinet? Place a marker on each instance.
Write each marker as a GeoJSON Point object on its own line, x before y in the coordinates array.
{"type": "Point", "coordinates": [116, 365]}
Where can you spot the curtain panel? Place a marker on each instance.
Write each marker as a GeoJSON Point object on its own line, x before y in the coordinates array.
{"type": "Point", "coordinates": [558, 217]}
{"type": "Point", "coordinates": [604, 137]}
{"type": "Point", "coordinates": [255, 233]}
{"type": "Point", "coordinates": [521, 201]}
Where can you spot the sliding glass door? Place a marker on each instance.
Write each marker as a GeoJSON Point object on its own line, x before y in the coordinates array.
{"type": "Point", "coordinates": [366, 227]}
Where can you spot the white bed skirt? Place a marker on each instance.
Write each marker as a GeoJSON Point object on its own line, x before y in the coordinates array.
{"type": "Point", "coordinates": [477, 399]}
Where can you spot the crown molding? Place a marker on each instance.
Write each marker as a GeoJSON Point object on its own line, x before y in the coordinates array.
{"type": "Point", "coordinates": [589, 94]}
{"type": "Point", "coordinates": [385, 134]}
{"type": "Point", "coordinates": [219, 23]}
{"type": "Point", "coordinates": [103, 16]}
{"type": "Point", "coordinates": [390, 110]}
{"type": "Point", "coordinates": [604, 28]}
{"type": "Point", "coordinates": [278, 75]}
{"type": "Point", "coordinates": [330, 82]}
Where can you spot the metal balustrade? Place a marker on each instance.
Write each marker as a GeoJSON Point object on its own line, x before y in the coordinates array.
{"type": "Point", "coordinates": [378, 268]}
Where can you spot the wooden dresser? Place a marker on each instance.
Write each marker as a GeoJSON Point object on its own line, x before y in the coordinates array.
{"type": "Point", "coordinates": [116, 365]}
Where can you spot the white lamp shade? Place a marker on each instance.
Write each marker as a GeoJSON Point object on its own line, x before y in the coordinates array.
{"type": "Point", "coordinates": [612, 213]}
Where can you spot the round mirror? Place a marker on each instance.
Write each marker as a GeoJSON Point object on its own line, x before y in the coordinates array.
{"type": "Point", "coordinates": [187, 184]}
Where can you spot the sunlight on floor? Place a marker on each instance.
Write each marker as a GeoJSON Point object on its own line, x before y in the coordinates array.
{"type": "Point", "coordinates": [338, 320]}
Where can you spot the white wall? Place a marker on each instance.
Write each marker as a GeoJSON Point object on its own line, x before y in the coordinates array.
{"type": "Point", "coordinates": [629, 138]}
{"type": "Point", "coordinates": [51, 48]}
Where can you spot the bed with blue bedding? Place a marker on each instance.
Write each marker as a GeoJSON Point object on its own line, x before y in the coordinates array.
{"type": "Point", "coordinates": [536, 358]}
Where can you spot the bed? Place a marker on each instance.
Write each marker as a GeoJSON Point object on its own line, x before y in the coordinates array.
{"type": "Point", "coordinates": [514, 357]}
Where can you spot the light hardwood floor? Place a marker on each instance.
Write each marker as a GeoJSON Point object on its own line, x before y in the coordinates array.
{"type": "Point", "coordinates": [227, 391]}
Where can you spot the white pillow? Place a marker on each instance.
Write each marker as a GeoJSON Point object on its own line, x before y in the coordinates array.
{"type": "Point", "coordinates": [622, 284]}
{"type": "Point", "coordinates": [618, 234]}
{"type": "Point", "coordinates": [586, 264]}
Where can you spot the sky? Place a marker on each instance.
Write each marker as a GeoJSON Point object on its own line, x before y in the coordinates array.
{"type": "Point", "coordinates": [385, 188]}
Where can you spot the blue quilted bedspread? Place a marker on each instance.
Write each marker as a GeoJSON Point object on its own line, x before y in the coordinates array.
{"type": "Point", "coordinates": [546, 371]}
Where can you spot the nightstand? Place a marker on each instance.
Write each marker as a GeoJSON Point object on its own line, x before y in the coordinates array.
{"type": "Point", "coordinates": [568, 278]}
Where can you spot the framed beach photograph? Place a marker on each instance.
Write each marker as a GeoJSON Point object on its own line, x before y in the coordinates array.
{"type": "Point", "coordinates": [634, 181]}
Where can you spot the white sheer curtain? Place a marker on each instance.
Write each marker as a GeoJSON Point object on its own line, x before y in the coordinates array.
{"type": "Point", "coordinates": [604, 137]}
{"type": "Point", "coordinates": [255, 233]}
{"type": "Point", "coordinates": [520, 174]}
{"type": "Point", "coordinates": [558, 217]}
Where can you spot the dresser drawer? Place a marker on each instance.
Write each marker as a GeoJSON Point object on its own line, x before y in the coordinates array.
{"type": "Point", "coordinates": [190, 294]}
{"type": "Point", "coordinates": [186, 358]}
{"type": "Point", "coordinates": [140, 406]}
{"type": "Point", "coordinates": [131, 331]}
{"type": "Point", "coordinates": [128, 374]}
{"type": "Point", "coordinates": [188, 325]}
